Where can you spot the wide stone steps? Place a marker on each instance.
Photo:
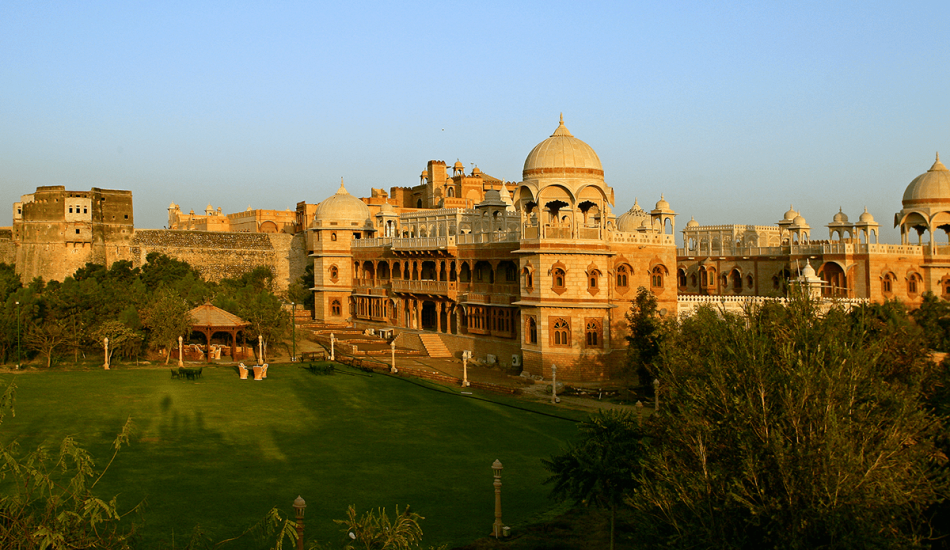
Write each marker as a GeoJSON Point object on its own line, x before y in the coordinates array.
{"type": "Point", "coordinates": [434, 345]}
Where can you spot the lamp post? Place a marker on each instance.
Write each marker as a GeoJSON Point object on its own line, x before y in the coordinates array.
{"type": "Point", "coordinates": [466, 355]}
{"type": "Point", "coordinates": [554, 398]}
{"type": "Point", "coordinates": [260, 349]}
{"type": "Point", "coordinates": [332, 354]}
{"type": "Point", "coordinates": [18, 334]}
{"type": "Point", "coordinates": [393, 346]}
{"type": "Point", "coordinates": [299, 506]}
{"type": "Point", "coordinates": [293, 330]}
{"type": "Point", "coordinates": [106, 344]}
{"type": "Point", "coordinates": [180, 363]}
{"type": "Point", "coordinates": [496, 470]}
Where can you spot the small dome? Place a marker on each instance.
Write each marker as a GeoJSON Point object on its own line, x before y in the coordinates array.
{"type": "Point", "coordinates": [631, 220]}
{"type": "Point", "coordinates": [459, 165]}
{"type": "Point", "coordinates": [562, 155]}
{"type": "Point", "coordinates": [385, 207]}
{"type": "Point", "coordinates": [866, 217]}
{"type": "Point", "coordinates": [808, 272]}
{"type": "Point", "coordinates": [799, 221]}
{"type": "Point", "coordinates": [425, 174]}
{"type": "Point", "coordinates": [930, 188]}
{"type": "Point", "coordinates": [692, 222]}
{"type": "Point", "coordinates": [342, 208]}
{"type": "Point", "coordinates": [476, 171]}
{"type": "Point", "coordinates": [662, 204]}
{"type": "Point", "coordinates": [840, 217]}
{"type": "Point", "coordinates": [791, 214]}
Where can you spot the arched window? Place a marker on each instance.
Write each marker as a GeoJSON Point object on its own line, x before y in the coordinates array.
{"type": "Point", "coordinates": [623, 277]}
{"type": "Point", "coordinates": [736, 280]}
{"type": "Point", "coordinates": [887, 283]}
{"type": "Point", "coordinates": [560, 332]}
{"type": "Point", "coordinates": [914, 284]}
{"type": "Point", "coordinates": [334, 273]}
{"type": "Point", "coordinates": [528, 278]}
{"type": "Point", "coordinates": [593, 330]}
{"type": "Point", "coordinates": [656, 277]}
{"type": "Point", "coordinates": [450, 192]}
{"type": "Point", "coordinates": [335, 308]}
{"type": "Point", "coordinates": [681, 278]}
{"type": "Point", "coordinates": [558, 279]}
{"type": "Point", "coordinates": [593, 281]}
{"type": "Point", "coordinates": [531, 331]}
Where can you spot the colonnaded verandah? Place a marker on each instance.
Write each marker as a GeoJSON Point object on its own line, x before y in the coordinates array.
{"type": "Point", "coordinates": [533, 273]}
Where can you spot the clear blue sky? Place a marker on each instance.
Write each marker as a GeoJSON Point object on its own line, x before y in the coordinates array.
{"type": "Point", "coordinates": [732, 110]}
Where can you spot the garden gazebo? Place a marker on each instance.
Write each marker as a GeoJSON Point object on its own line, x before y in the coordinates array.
{"type": "Point", "coordinates": [209, 320]}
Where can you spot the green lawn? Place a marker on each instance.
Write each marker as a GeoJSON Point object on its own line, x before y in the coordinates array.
{"type": "Point", "coordinates": [220, 452]}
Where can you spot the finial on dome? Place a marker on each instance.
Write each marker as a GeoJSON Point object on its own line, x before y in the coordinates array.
{"type": "Point", "coordinates": [636, 201]}
{"type": "Point", "coordinates": [562, 122]}
{"type": "Point", "coordinates": [342, 190]}
{"type": "Point", "coordinates": [661, 197]}
{"type": "Point", "coordinates": [562, 129]}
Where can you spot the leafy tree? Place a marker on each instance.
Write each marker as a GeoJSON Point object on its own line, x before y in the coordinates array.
{"type": "Point", "coordinates": [123, 339]}
{"type": "Point", "coordinates": [251, 298]}
{"type": "Point", "coordinates": [45, 338]}
{"type": "Point", "coordinates": [602, 468]}
{"type": "Point", "coordinates": [646, 334]}
{"type": "Point", "coordinates": [933, 318]}
{"type": "Point", "coordinates": [49, 501]}
{"type": "Point", "coordinates": [166, 318]}
{"type": "Point", "coordinates": [161, 270]}
{"type": "Point", "coordinates": [299, 291]}
{"type": "Point", "coordinates": [786, 427]}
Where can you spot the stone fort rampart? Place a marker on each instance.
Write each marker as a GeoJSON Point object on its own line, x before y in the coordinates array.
{"type": "Point", "coordinates": [225, 255]}
{"type": "Point", "coordinates": [7, 248]}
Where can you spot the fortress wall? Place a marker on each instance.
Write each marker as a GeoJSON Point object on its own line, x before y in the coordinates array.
{"type": "Point", "coordinates": [225, 255]}
{"type": "Point", "coordinates": [7, 248]}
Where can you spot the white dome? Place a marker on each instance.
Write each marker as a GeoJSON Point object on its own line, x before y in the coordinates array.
{"type": "Point", "coordinates": [344, 209]}
{"type": "Point", "coordinates": [562, 156]}
{"type": "Point", "coordinates": [931, 188]}
{"type": "Point", "coordinates": [632, 220]}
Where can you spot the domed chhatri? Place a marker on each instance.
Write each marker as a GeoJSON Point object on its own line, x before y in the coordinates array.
{"type": "Point", "coordinates": [929, 189]}
{"type": "Point", "coordinates": [562, 156]}
{"type": "Point", "coordinates": [632, 220]}
{"type": "Point", "coordinates": [840, 217]}
{"type": "Point", "coordinates": [344, 209]}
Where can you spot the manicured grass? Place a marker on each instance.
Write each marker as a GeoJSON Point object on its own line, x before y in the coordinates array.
{"type": "Point", "coordinates": [220, 452]}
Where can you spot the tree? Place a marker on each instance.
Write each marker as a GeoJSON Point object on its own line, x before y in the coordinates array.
{"type": "Point", "coordinates": [49, 500]}
{"type": "Point", "coordinates": [166, 318]}
{"type": "Point", "coordinates": [933, 318]}
{"type": "Point", "coordinates": [791, 428]}
{"type": "Point", "coordinates": [122, 339]}
{"type": "Point", "coordinates": [646, 333]}
{"type": "Point", "coordinates": [602, 468]}
{"type": "Point", "coordinates": [45, 338]}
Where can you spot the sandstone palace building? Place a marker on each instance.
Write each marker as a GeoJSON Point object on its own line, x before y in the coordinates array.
{"type": "Point", "coordinates": [533, 273]}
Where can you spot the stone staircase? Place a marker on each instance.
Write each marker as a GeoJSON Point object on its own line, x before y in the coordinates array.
{"type": "Point", "coordinates": [434, 345]}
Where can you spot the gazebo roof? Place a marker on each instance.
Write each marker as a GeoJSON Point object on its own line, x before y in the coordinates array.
{"type": "Point", "coordinates": [207, 315]}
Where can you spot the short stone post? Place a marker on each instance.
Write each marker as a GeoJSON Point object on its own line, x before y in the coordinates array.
{"type": "Point", "coordinates": [393, 346]}
{"type": "Point", "coordinates": [260, 349]}
{"type": "Point", "coordinates": [466, 355]}
{"type": "Point", "coordinates": [497, 526]}
{"type": "Point", "coordinates": [106, 344]}
{"type": "Point", "coordinates": [299, 506]}
{"type": "Point", "coordinates": [639, 406]}
{"type": "Point", "coordinates": [332, 354]}
{"type": "Point", "coordinates": [656, 395]}
{"type": "Point", "coordinates": [180, 363]}
{"type": "Point", "coordinates": [554, 398]}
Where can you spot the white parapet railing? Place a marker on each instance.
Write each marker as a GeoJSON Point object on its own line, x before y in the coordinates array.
{"type": "Point", "coordinates": [687, 305]}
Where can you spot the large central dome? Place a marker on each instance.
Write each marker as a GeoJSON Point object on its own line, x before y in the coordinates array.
{"type": "Point", "coordinates": [562, 156]}
{"type": "Point", "coordinates": [930, 189]}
